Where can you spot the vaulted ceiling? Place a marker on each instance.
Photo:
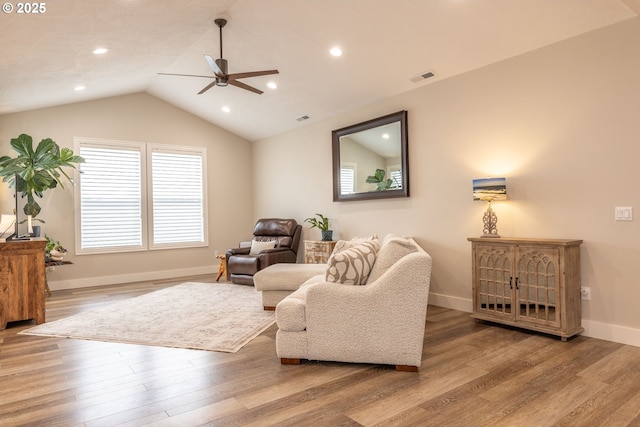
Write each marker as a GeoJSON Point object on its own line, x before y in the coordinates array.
{"type": "Point", "coordinates": [386, 46]}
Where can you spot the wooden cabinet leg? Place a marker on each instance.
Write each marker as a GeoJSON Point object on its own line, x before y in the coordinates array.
{"type": "Point", "coordinates": [46, 285]}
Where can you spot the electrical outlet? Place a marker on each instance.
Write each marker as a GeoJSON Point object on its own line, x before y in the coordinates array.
{"type": "Point", "coordinates": [585, 293]}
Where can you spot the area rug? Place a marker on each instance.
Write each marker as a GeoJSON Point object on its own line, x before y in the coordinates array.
{"type": "Point", "coordinates": [204, 316]}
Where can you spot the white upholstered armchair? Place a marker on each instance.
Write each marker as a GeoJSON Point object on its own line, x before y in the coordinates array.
{"type": "Point", "coordinates": [381, 322]}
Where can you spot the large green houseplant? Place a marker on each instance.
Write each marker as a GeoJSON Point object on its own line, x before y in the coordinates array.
{"type": "Point", "coordinates": [378, 179]}
{"type": "Point", "coordinates": [32, 172]}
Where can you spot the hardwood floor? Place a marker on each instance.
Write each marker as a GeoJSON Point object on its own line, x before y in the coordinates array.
{"type": "Point", "coordinates": [472, 374]}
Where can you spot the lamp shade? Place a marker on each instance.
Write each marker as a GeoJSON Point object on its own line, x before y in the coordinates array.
{"type": "Point", "coordinates": [490, 189]}
{"type": "Point", "coordinates": [6, 223]}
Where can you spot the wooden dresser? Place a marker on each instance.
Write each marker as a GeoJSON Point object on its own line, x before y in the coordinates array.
{"type": "Point", "coordinates": [528, 283]}
{"type": "Point", "coordinates": [22, 281]}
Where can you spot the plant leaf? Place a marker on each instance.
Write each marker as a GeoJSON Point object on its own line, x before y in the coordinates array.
{"type": "Point", "coordinates": [32, 207]}
{"type": "Point", "coordinates": [47, 147]}
{"type": "Point", "coordinates": [67, 157]}
{"type": "Point", "coordinates": [42, 181]}
{"type": "Point", "coordinates": [23, 144]}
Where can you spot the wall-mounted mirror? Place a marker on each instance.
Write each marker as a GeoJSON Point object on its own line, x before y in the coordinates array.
{"type": "Point", "coordinates": [370, 159]}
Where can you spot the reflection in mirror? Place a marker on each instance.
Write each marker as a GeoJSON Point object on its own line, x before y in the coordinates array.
{"type": "Point", "coordinates": [370, 159]}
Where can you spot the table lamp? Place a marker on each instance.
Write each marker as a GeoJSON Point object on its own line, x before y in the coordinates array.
{"type": "Point", "coordinates": [488, 190]}
{"type": "Point", "coordinates": [7, 222]}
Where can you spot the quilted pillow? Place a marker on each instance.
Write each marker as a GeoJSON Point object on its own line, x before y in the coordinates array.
{"type": "Point", "coordinates": [352, 266]}
{"type": "Point", "coordinates": [257, 246]}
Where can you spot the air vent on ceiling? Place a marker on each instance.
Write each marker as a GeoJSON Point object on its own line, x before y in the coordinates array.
{"type": "Point", "coordinates": [303, 118]}
{"type": "Point", "coordinates": [423, 76]}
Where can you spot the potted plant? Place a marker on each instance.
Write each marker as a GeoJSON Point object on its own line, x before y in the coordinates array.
{"type": "Point", "coordinates": [53, 250]}
{"type": "Point", "coordinates": [32, 172]}
{"type": "Point", "coordinates": [322, 222]}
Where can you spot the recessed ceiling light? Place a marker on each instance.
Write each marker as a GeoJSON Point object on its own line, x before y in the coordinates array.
{"type": "Point", "coordinates": [100, 51]}
{"type": "Point", "coordinates": [79, 88]}
{"type": "Point", "coordinates": [226, 109]}
{"type": "Point", "coordinates": [272, 85]}
{"type": "Point", "coordinates": [336, 51]}
{"type": "Point", "coordinates": [385, 136]}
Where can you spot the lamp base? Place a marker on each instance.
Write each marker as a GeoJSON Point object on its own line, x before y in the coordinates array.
{"type": "Point", "coordinates": [490, 220]}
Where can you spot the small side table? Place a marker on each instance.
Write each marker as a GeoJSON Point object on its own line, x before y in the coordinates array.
{"type": "Point", "coordinates": [223, 267]}
{"type": "Point", "coordinates": [318, 251]}
{"type": "Point", "coordinates": [52, 264]}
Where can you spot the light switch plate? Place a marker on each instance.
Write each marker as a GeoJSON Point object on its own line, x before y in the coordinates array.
{"type": "Point", "coordinates": [624, 213]}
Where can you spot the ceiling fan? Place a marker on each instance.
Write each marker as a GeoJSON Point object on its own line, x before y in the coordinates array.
{"type": "Point", "coordinates": [219, 67]}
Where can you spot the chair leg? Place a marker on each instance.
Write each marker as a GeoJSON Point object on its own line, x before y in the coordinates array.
{"type": "Point", "coordinates": [286, 361]}
{"type": "Point", "coordinates": [406, 368]}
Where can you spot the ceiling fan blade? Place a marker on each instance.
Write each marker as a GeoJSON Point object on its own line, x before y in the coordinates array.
{"type": "Point", "coordinates": [186, 75]}
{"type": "Point", "coordinates": [251, 74]}
{"type": "Point", "coordinates": [245, 86]}
{"type": "Point", "coordinates": [207, 87]}
{"type": "Point", "coordinates": [212, 63]}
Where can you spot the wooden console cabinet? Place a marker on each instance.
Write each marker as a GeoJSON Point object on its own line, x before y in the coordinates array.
{"type": "Point", "coordinates": [22, 281]}
{"type": "Point", "coordinates": [528, 283]}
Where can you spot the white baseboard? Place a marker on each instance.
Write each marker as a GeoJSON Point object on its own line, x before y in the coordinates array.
{"type": "Point", "coordinates": [447, 301]}
{"type": "Point", "coordinates": [134, 277]}
{"type": "Point", "coordinates": [615, 333]}
{"type": "Point", "coordinates": [603, 331]}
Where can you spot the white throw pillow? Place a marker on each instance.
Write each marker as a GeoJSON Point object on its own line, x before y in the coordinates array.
{"type": "Point", "coordinates": [257, 246]}
{"type": "Point", "coordinates": [392, 250]}
{"type": "Point", "coordinates": [352, 266]}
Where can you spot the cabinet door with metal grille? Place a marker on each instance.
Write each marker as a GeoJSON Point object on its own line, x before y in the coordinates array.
{"type": "Point", "coordinates": [494, 290]}
{"type": "Point", "coordinates": [537, 285]}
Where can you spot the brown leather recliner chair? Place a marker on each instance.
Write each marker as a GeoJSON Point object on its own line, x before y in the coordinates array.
{"type": "Point", "coordinates": [241, 265]}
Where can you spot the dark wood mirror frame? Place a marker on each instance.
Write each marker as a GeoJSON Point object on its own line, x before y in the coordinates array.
{"type": "Point", "coordinates": [400, 117]}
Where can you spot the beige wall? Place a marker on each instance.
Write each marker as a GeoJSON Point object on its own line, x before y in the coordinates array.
{"type": "Point", "coordinates": [561, 123]}
{"type": "Point", "coordinates": [139, 117]}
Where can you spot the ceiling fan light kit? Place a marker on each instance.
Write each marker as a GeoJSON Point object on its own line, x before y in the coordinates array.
{"type": "Point", "coordinates": [220, 68]}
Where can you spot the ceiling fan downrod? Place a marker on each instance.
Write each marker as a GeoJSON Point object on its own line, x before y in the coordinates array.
{"type": "Point", "coordinates": [221, 62]}
{"type": "Point", "coordinates": [220, 22]}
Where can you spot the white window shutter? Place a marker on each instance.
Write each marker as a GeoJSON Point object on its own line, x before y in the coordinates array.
{"type": "Point", "coordinates": [396, 177]}
{"type": "Point", "coordinates": [111, 210]}
{"type": "Point", "coordinates": [177, 197]}
{"type": "Point", "coordinates": [347, 179]}
{"type": "Point", "coordinates": [118, 212]}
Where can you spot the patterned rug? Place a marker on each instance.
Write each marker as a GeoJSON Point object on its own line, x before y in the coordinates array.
{"type": "Point", "coordinates": [204, 316]}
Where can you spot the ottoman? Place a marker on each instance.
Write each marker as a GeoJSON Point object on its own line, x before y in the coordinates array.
{"type": "Point", "coordinates": [279, 280]}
